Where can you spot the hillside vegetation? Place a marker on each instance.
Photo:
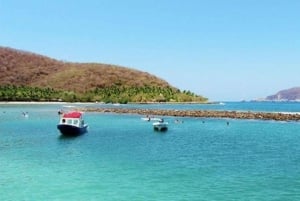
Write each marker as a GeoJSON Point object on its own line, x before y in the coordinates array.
{"type": "Point", "coordinates": [29, 76]}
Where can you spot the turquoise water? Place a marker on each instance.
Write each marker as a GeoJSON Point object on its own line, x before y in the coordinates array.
{"type": "Point", "coordinates": [122, 158]}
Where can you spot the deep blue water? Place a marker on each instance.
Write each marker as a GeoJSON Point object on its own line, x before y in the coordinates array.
{"type": "Point", "coordinates": [123, 158]}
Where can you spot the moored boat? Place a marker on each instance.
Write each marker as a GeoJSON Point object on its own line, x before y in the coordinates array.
{"type": "Point", "coordinates": [72, 124]}
{"type": "Point", "coordinates": [160, 125]}
{"type": "Point", "coordinates": [149, 118]}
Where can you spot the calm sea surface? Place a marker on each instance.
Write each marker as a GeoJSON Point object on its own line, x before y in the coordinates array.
{"type": "Point", "coordinates": [123, 158]}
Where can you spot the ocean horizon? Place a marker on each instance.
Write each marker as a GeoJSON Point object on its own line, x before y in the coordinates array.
{"type": "Point", "coordinates": [123, 158]}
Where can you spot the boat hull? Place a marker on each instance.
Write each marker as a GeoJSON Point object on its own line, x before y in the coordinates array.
{"type": "Point", "coordinates": [160, 126]}
{"type": "Point", "coordinates": [69, 130]}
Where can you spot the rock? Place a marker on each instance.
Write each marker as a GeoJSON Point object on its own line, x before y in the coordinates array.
{"type": "Point", "coordinates": [202, 113]}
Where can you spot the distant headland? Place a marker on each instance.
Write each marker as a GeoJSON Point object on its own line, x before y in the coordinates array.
{"type": "Point", "coordinates": [292, 94]}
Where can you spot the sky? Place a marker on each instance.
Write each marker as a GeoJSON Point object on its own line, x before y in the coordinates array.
{"type": "Point", "coordinates": [225, 50]}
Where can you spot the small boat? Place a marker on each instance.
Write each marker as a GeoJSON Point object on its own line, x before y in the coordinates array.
{"type": "Point", "coordinates": [160, 125]}
{"type": "Point", "coordinates": [147, 118]}
{"type": "Point", "coordinates": [72, 124]}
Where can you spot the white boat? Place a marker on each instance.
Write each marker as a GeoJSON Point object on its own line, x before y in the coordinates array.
{"type": "Point", "coordinates": [72, 123]}
{"type": "Point", "coordinates": [150, 119]}
{"type": "Point", "coordinates": [160, 125]}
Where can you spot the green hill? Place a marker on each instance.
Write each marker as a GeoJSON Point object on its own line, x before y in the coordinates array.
{"type": "Point", "coordinates": [23, 74]}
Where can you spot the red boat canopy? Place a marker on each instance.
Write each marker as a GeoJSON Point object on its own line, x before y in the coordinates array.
{"type": "Point", "coordinates": [72, 115]}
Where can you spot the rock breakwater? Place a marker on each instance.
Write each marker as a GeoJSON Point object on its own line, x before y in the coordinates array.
{"type": "Point", "coordinates": [203, 113]}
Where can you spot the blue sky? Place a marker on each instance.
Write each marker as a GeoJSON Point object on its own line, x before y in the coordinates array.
{"type": "Point", "coordinates": [224, 50]}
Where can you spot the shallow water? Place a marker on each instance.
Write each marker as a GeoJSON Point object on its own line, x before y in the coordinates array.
{"type": "Point", "coordinates": [123, 158]}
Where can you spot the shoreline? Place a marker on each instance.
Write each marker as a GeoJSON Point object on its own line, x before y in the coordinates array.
{"type": "Point", "coordinates": [276, 116]}
{"type": "Point", "coordinates": [202, 113]}
{"type": "Point", "coordinates": [78, 103]}
{"type": "Point", "coordinates": [28, 103]}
